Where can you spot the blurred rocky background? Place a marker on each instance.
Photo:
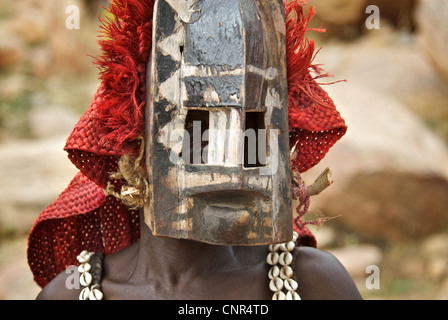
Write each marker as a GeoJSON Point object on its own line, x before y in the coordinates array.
{"type": "Point", "coordinates": [389, 199]}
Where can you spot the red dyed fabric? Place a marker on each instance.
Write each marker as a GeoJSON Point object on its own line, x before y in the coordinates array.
{"type": "Point", "coordinates": [83, 218]}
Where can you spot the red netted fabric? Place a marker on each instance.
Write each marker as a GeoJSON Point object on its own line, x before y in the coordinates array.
{"type": "Point", "coordinates": [314, 123]}
{"type": "Point", "coordinates": [82, 217]}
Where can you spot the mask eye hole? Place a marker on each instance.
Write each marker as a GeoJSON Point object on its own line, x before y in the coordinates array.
{"type": "Point", "coordinates": [195, 138]}
{"type": "Point", "coordinates": [255, 139]}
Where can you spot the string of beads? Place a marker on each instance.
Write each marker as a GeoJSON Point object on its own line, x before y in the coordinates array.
{"type": "Point", "coordinates": [90, 269]}
{"type": "Point", "coordinates": [281, 276]}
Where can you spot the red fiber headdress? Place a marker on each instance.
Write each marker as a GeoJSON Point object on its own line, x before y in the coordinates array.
{"type": "Point", "coordinates": [83, 217]}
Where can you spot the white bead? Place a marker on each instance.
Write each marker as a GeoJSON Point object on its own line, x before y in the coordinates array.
{"type": "Point", "coordinates": [291, 284]}
{"type": "Point", "coordinates": [283, 247]}
{"type": "Point", "coordinates": [84, 295]}
{"type": "Point", "coordinates": [85, 279]}
{"type": "Point", "coordinates": [285, 258]}
{"type": "Point", "coordinates": [291, 295]}
{"type": "Point", "coordinates": [83, 259]}
{"type": "Point", "coordinates": [272, 258]}
{"type": "Point", "coordinates": [95, 294]}
{"type": "Point", "coordinates": [290, 245]}
{"type": "Point", "coordinates": [276, 284]}
{"type": "Point", "coordinates": [84, 256]}
{"type": "Point", "coordinates": [84, 253]}
{"type": "Point", "coordinates": [274, 272]}
{"type": "Point", "coordinates": [273, 247]}
{"type": "Point", "coordinates": [286, 272]}
{"type": "Point", "coordinates": [279, 295]}
{"type": "Point", "coordinates": [84, 267]}
{"type": "Point", "coordinates": [295, 236]}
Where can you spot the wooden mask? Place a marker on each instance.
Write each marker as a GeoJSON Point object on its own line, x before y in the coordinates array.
{"type": "Point", "coordinates": [217, 122]}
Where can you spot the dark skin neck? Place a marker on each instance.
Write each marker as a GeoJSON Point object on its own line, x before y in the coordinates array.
{"type": "Point", "coordinates": [165, 268]}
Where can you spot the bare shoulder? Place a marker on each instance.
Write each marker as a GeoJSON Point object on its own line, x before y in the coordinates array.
{"type": "Point", "coordinates": [65, 286]}
{"type": "Point", "coordinates": [321, 276]}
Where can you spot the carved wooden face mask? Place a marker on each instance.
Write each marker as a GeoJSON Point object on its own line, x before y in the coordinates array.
{"type": "Point", "coordinates": [217, 123]}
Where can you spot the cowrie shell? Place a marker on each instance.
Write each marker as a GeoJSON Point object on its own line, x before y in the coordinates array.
{"type": "Point", "coordinates": [84, 295]}
{"type": "Point", "coordinates": [286, 272]}
{"type": "Point", "coordinates": [285, 258]}
{"type": "Point", "coordinates": [279, 295]}
{"type": "Point", "coordinates": [295, 236]}
{"type": "Point", "coordinates": [84, 256]}
{"type": "Point", "coordinates": [276, 284]}
{"type": "Point", "coordinates": [85, 279]}
{"type": "Point", "coordinates": [272, 258]}
{"type": "Point", "coordinates": [84, 267]}
{"type": "Point", "coordinates": [95, 294]}
{"type": "Point", "coordinates": [291, 295]}
{"type": "Point", "coordinates": [274, 272]}
{"type": "Point", "coordinates": [288, 246]}
{"type": "Point", "coordinates": [290, 284]}
{"type": "Point", "coordinates": [274, 247]}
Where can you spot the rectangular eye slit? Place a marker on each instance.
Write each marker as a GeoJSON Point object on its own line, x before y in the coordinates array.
{"type": "Point", "coordinates": [255, 140]}
{"type": "Point", "coordinates": [195, 142]}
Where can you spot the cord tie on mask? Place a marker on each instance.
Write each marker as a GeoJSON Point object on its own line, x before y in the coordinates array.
{"type": "Point", "coordinates": [302, 193]}
{"type": "Point", "coordinates": [135, 191]}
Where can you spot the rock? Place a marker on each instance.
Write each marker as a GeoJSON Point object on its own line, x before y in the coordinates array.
{"type": "Point", "coordinates": [399, 13]}
{"type": "Point", "coordinates": [357, 258]}
{"type": "Point", "coordinates": [339, 12]}
{"type": "Point", "coordinates": [390, 170]}
{"type": "Point", "coordinates": [342, 19]}
{"type": "Point", "coordinates": [346, 19]}
{"type": "Point", "coordinates": [433, 32]}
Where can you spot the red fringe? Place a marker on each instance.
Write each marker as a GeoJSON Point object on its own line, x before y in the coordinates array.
{"type": "Point", "coordinates": [122, 66]}
{"type": "Point", "coordinates": [302, 86]}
